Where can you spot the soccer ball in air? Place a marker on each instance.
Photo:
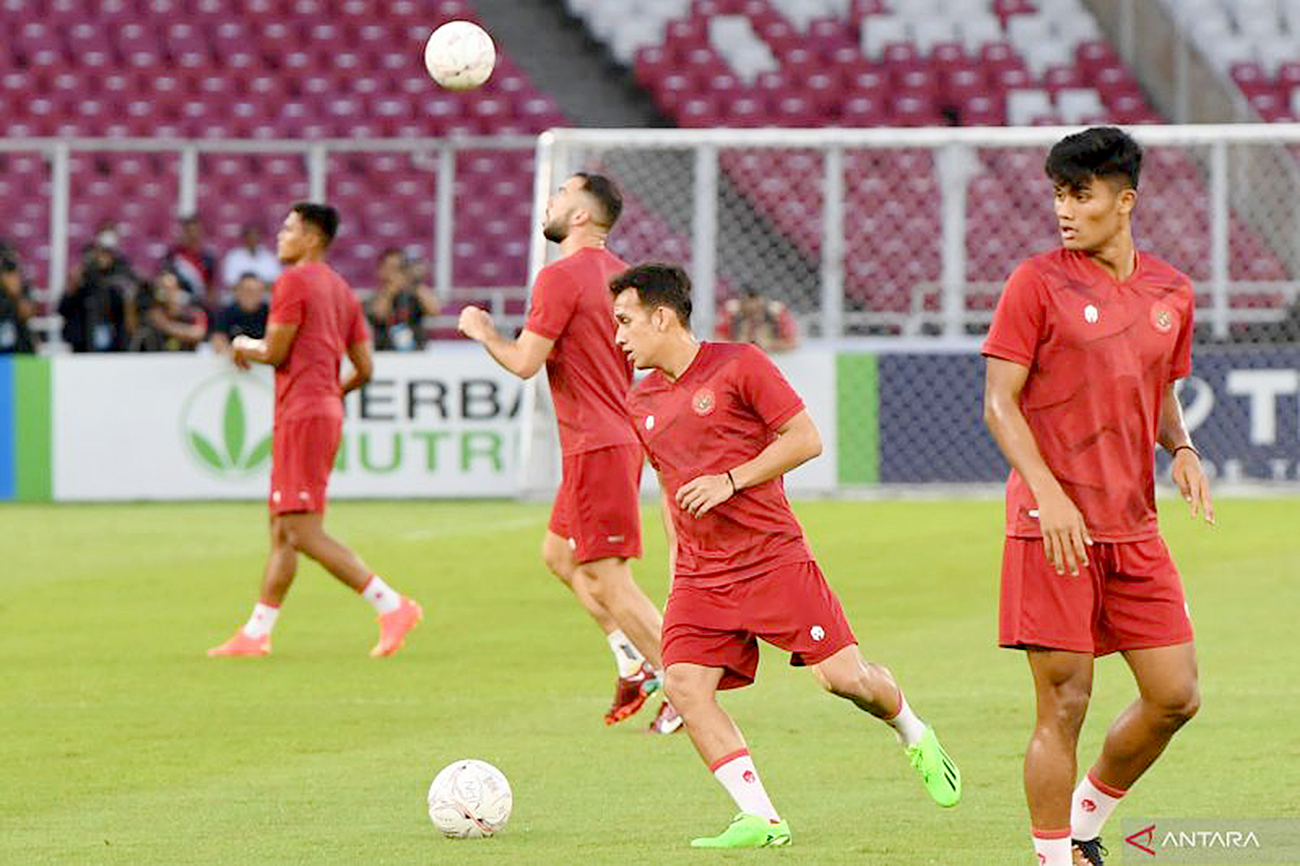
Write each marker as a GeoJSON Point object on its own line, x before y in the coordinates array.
{"type": "Point", "coordinates": [460, 55]}
{"type": "Point", "coordinates": [469, 799]}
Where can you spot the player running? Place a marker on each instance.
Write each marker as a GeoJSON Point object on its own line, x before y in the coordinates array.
{"type": "Point", "coordinates": [1083, 353]}
{"type": "Point", "coordinates": [314, 321]}
{"type": "Point", "coordinates": [595, 525]}
{"type": "Point", "coordinates": [721, 426]}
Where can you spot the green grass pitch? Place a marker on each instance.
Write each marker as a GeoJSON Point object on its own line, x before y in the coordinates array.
{"type": "Point", "coordinates": [123, 743]}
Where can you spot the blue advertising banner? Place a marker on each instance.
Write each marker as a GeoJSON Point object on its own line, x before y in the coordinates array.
{"type": "Point", "coordinates": [1242, 405]}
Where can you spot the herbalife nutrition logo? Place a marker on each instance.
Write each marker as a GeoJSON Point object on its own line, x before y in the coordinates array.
{"type": "Point", "coordinates": [226, 424]}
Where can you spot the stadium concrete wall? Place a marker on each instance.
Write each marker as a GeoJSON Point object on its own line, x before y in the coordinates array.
{"type": "Point", "coordinates": [445, 423]}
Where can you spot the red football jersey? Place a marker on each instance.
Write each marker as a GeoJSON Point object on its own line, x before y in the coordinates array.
{"type": "Point", "coordinates": [329, 319]}
{"type": "Point", "coordinates": [723, 410]}
{"type": "Point", "coordinates": [1099, 353]}
{"type": "Point", "coordinates": [588, 373]}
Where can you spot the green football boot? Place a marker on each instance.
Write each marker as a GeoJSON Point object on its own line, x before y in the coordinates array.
{"type": "Point", "coordinates": [938, 772]}
{"type": "Point", "coordinates": [748, 831]}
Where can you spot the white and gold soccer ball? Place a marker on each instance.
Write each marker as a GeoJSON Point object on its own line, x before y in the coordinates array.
{"type": "Point", "coordinates": [469, 799]}
{"type": "Point", "coordinates": [460, 55]}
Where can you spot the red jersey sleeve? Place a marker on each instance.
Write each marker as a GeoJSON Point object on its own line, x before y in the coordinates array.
{"type": "Point", "coordinates": [1018, 320]}
{"type": "Point", "coordinates": [1182, 365]}
{"type": "Point", "coordinates": [553, 304]}
{"type": "Point", "coordinates": [765, 389]}
{"type": "Point", "coordinates": [358, 331]}
{"type": "Point", "coordinates": [288, 300]}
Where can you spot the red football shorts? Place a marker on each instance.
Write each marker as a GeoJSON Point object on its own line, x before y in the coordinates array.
{"type": "Point", "coordinates": [791, 607]}
{"type": "Point", "coordinates": [1127, 597]}
{"type": "Point", "coordinates": [302, 455]}
{"type": "Point", "coordinates": [598, 505]}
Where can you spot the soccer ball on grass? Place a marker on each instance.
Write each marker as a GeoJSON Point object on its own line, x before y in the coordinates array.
{"type": "Point", "coordinates": [469, 799]}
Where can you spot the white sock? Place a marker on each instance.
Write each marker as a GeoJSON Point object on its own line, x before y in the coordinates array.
{"type": "Point", "coordinates": [910, 729]}
{"type": "Point", "coordinates": [1053, 851]}
{"type": "Point", "coordinates": [1090, 807]}
{"type": "Point", "coordinates": [382, 597]}
{"type": "Point", "coordinates": [737, 774]}
{"type": "Point", "coordinates": [627, 657]}
{"type": "Point", "coordinates": [262, 620]}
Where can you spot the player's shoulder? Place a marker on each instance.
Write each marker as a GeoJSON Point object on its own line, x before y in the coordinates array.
{"type": "Point", "coordinates": [1157, 269]}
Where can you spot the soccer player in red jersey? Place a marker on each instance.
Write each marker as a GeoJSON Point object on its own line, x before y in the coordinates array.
{"type": "Point", "coordinates": [1083, 353]}
{"type": "Point", "coordinates": [721, 426]}
{"type": "Point", "coordinates": [314, 321]}
{"type": "Point", "coordinates": [595, 525]}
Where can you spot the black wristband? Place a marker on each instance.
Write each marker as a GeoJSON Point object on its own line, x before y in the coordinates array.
{"type": "Point", "coordinates": [1190, 448]}
{"type": "Point", "coordinates": [733, 482]}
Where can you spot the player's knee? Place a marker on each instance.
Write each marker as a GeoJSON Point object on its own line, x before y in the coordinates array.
{"type": "Point", "coordinates": [684, 691]}
{"type": "Point", "coordinates": [1180, 705]}
{"type": "Point", "coordinates": [558, 563]}
{"type": "Point", "coordinates": [1065, 707]}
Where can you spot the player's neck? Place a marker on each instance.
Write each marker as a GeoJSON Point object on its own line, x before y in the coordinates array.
{"type": "Point", "coordinates": [581, 241]}
{"type": "Point", "coordinates": [1117, 257]}
{"type": "Point", "coordinates": [679, 355]}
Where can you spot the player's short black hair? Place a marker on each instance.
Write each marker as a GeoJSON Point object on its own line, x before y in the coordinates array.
{"type": "Point", "coordinates": [658, 285]}
{"type": "Point", "coordinates": [606, 192]}
{"type": "Point", "coordinates": [1107, 152]}
{"type": "Point", "coordinates": [322, 217]}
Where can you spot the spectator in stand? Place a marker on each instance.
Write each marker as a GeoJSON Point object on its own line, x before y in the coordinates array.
{"type": "Point", "coordinates": [94, 309]}
{"type": "Point", "coordinates": [250, 257]}
{"type": "Point", "coordinates": [175, 322]}
{"type": "Point", "coordinates": [192, 263]}
{"type": "Point", "coordinates": [16, 307]}
{"type": "Point", "coordinates": [245, 315]}
{"type": "Point", "coordinates": [399, 305]}
{"type": "Point", "coordinates": [753, 318]}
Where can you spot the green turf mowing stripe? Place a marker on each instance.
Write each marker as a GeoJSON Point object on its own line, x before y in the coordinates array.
{"type": "Point", "coordinates": [857, 405]}
{"type": "Point", "coordinates": [33, 430]}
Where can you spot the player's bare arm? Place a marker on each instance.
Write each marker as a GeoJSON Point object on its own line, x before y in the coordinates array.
{"type": "Point", "coordinates": [1065, 536]}
{"type": "Point", "coordinates": [797, 441]}
{"type": "Point", "coordinates": [523, 357]}
{"type": "Point", "coordinates": [1186, 470]}
{"type": "Point", "coordinates": [271, 349]}
{"type": "Point", "coordinates": [363, 366]}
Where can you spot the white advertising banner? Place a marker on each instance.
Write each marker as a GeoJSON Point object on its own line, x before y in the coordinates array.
{"type": "Point", "coordinates": [440, 423]}
{"type": "Point", "coordinates": [437, 423]}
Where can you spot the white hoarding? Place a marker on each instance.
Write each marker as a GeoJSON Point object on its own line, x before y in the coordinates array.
{"type": "Point", "coordinates": [441, 423]}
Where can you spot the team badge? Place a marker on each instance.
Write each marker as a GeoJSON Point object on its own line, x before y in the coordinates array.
{"type": "Point", "coordinates": [1162, 318]}
{"type": "Point", "coordinates": [649, 422]}
{"type": "Point", "coordinates": [704, 401]}
{"type": "Point", "coordinates": [1090, 314]}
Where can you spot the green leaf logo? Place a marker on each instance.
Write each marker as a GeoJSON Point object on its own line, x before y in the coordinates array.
{"type": "Point", "coordinates": [205, 450]}
{"type": "Point", "coordinates": [218, 427]}
{"type": "Point", "coordinates": [234, 425]}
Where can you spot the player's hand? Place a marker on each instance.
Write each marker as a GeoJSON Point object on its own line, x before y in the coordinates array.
{"type": "Point", "coordinates": [1192, 483]}
{"type": "Point", "coordinates": [1065, 535]}
{"type": "Point", "coordinates": [475, 323]}
{"type": "Point", "coordinates": [240, 348]}
{"type": "Point", "coordinates": [697, 496]}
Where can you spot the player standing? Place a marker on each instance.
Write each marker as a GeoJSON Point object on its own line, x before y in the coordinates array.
{"type": "Point", "coordinates": [315, 319]}
{"type": "Point", "coordinates": [1083, 353]}
{"type": "Point", "coordinates": [595, 525]}
{"type": "Point", "coordinates": [721, 426]}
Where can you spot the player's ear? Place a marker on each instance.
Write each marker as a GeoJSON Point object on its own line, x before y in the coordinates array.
{"type": "Point", "coordinates": [1127, 200]}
